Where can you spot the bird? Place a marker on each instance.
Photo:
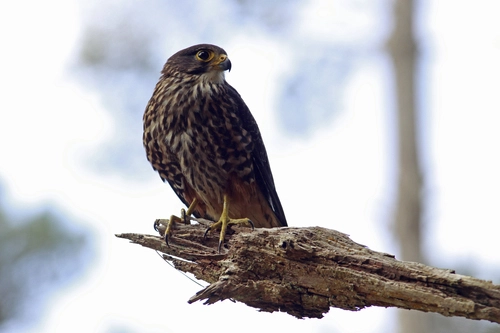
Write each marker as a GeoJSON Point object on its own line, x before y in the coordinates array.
{"type": "Point", "coordinates": [201, 138]}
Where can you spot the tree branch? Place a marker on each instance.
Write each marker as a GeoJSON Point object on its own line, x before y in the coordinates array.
{"type": "Point", "coordinates": [305, 271]}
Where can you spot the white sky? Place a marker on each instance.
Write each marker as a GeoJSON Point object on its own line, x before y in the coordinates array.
{"type": "Point", "coordinates": [42, 144]}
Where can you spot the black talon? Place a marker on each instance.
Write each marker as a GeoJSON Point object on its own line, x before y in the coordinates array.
{"type": "Point", "coordinates": [251, 223]}
{"type": "Point", "coordinates": [166, 239]}
{"type": "Point", "coordinates": [183, 216]}
{"type": "Point", "coordinates": [219, 247]}
{"type": "Point", "coordinates": [155, 225]}
{"type": "Point", "coordinates": [206, 232]}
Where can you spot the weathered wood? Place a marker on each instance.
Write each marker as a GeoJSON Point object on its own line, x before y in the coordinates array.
{"type": "Point", "coordinates": [305, 271]}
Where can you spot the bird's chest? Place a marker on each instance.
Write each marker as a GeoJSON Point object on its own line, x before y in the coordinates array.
{"type": "Point", "coordinates": [209, 144]}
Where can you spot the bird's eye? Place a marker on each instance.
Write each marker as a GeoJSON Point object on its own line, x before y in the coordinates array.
{"type": "Point", "coordinates": [204, 55]}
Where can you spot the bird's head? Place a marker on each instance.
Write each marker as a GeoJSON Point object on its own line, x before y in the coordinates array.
{"type": "Point", "coordinates": [206, 60]}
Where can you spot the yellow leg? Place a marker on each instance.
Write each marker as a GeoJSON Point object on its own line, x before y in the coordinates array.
{"type": "Point", "coordinates": [185, 214]}
{"type": "Point", "coordinates": [183, 219]}
{"type": "Point", "coordinates": [225, 221]}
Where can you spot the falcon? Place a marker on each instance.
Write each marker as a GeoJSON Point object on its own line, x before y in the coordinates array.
{"type": "Point", "coordinates": [202, 139]}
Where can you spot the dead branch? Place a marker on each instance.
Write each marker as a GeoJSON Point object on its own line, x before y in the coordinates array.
{"type": "Point", "coordinates": [305, 271]}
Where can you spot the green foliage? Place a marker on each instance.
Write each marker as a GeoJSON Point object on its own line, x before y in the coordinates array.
{"type": "Point", "coordinates": [36, 256]}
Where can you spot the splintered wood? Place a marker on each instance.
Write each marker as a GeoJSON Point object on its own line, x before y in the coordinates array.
{"type": "Point", "coordinates": [305, 271]}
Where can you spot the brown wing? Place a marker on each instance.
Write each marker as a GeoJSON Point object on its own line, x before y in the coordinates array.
{"type": "Point", "coordinates": [262, 168]}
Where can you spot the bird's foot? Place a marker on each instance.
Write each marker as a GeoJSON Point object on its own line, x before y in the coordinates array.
{"type": "Point", "coordinates": [223, 224]}
{"type": "Point", "coordinates": [165, 226]}
{"type": "Point", "coordinates": [170, 224]}
{"type": "Point", "coordinates": [185, 218]}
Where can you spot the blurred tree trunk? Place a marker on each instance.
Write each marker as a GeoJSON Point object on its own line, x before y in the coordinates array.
{"type": "Point", "coordinates": [402, 48]}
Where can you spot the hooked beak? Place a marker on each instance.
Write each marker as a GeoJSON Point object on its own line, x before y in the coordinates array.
{"type": "Point", "coordinates": [223, 63]}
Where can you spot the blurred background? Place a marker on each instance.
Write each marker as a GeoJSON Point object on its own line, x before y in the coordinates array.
{"type": "Point", "coordinates": [380, 119]}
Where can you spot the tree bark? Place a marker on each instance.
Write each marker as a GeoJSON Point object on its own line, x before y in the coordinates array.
{"type": "Point", "coordinates": [305, 271]}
